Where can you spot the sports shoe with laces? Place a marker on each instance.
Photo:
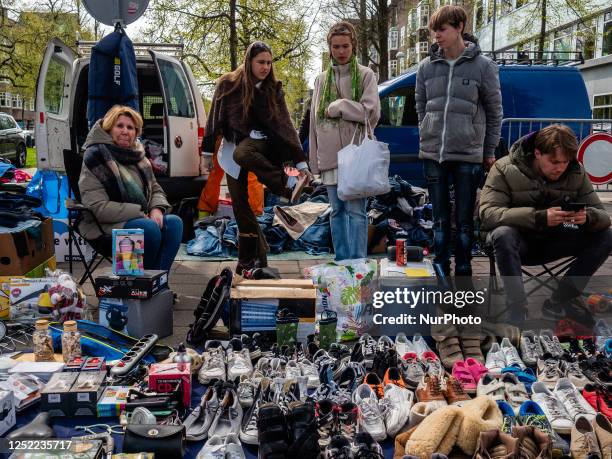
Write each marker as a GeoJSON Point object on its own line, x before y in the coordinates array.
{"type": "Point", "coordinates": [228, 417]}
{"type": "Point", "coordinates": [248, 429]}
{"type": "Point", "coordinates": [199, 420]}
{"type": "Point", "coordinates": [214, 448]}
{"type": "Point", "coordinates": [369, 346]}
{"type": "Point", "coordinates": [574, 402]}
{"type": "Point", "coordinates": [213, 366]}
{"type": "Point", "coordinates": [508, 416]}
{"type": "Point", "coordinates": [531, 414]}
{"type": "Point", "coordinates": [246, 391]}
{"type": "Point", "coordinates": [273, 432]}
{"type": "Point", "coordinates": [531, 350]}
{"type": "Point", "coordinates": [375, 384]}
{"type": "Point", "coordinates": [233, 448]}
{"type": "Point", "coordinates": [549, 370]}
{"type": "Point", "coordinates": [339, 448]}
{"type": "Point", "coordinates": [402, 344]}
{"type": "Point", "coordinates": [584, 443]}
{"type": "Point", "coordinates": [412, 370]}
{"type": "Point", "coordinates": [429, 391]}
{"type": "Point", "coordinates": [495, 360]}
{"type": "Point", "coordinates": [432, 363]}
{"type": "Point", "coordinates": [238, 364]}
{"type": "Point", "coordinates": [511, 354]}
{"type": "Point", "coordinates": [394, 376]}
{"type": "Point", "coordinates": [366, 447]}
{"type": "Point", "coordinates": [420, 345]}
{"type": "Point", "coordinates": [384, 360]}
{"type": "Point", "coordinates": [455, 392]}
{"type": "Point", "coordinates": [560, 420]}
{"type": "Point", "coordinates": [575, 375]}
{"type": "Point", "coordinates": [550, 343]}
{"type": "Point", "coordinates": [396, 404]}
{"type": "Point", "coordinates": [599, 398]}
{"type": "Point", "coordinates": [326, 417]}
{"type": "Point", "coordinates": [385, 343]}
{"type": "Point", "coordinates": [347, 419]}
{"type": "Point", "coordinates": [371, 415]}
{"type": "Point", "coordinates": [359, 371]}
{"type": "Point", "coordinates": [292, 370]}
{"type": "Point", "coordinates": [251, 344]}
{"type": "Point", "coordinates": [309, 370]}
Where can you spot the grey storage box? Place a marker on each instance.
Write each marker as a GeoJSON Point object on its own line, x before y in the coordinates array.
{"type": "Point", "coordinates": [154, 315]}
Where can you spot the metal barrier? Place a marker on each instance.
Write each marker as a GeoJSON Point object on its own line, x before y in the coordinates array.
{"type": "Point", "coordinates": [514, 128]}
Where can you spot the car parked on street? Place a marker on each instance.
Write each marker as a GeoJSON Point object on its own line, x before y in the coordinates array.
{"type": "Point", "coordinates": [12, 141]}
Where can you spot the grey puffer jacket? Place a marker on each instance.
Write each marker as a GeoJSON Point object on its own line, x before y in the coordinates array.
{"type": "Point", "coordinates": [459, 107]}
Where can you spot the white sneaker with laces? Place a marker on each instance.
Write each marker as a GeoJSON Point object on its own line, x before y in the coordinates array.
{"type": "Point", "coordinates": [292, 370]}
{"type": "Point", "coordinates": [574, 402]}
{"type": "Point", "coordinates": [310, 371]}
{"type": "Point", "coordinates": [553, 408]}
{"type": "Point", "coordinates": [496, 360]}
{"type": "Point", "coordinates": [403, 345]}
{"type": "Point", "coordinates": [238, 364]}
{"type": "Point", "coordinates": [511, 354]}
{"type": "Point", "coordinates": [246, 391]}
{"type": "Point", "coordinates": [233, 447]}
{"type": "Point", "coordinates": [213, 367]}
{"type": "Point", "coordinates": [228, 417]}
{"type": "Point", "coordinates": [371, 416]}
{"type": "Point", "coordinates": [420, 345]}
{"type": "Point", "coordinates": [214, 448]}
{"type": "Point", "coordinates": [396, 404]}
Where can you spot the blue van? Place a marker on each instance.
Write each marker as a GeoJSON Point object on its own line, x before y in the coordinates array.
{"type": "Point", "coordinates": [528, 91]}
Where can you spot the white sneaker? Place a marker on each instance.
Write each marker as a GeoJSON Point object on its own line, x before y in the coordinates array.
{"type": "Point", "coordinates": [369, 346]}
{"type": "Point", "coordinates": [229, 415]}
{"type": "Point", "coordinates": [549, 371]}
{"type": "Point", "coordinates": [246, 391]}
{"type": "Point", "coordinates": [396, 404]}
{"type": "Point", "coordinates": [371, 416]}
{"type": "Point", "coordinates": [214, 448]}
{"type": "Point", "coordinates": [292, 370]}
{"type": "Point", "coordinates": [511, 354]}
{"type": "Point", "coordinates": [238, 364]}
{"type": "Point", "coordinates": [491, 386]}
{"type": "Point", "coordinates": [496, 360]}
{"type": "Point", "coordinates": [530, 347]}
{"type": "Point", "coordinates": [403, 345]}
{"type": "Point", "coordinates": [385, 343]}
{"type": "Point", "coordinates": [420, 345]}
{"type": "Point", "coordinates": [550, 343]}
{"type": "Point", "coordinates": [200, 419]}
{"type": "Point", "coordinates": [310, 371]}
{"type": "Point", "coordinates": [213, 366]}
{"type": "Point", "coordinates": [516, 393]}
{"type": "Point", "coordinates": [233, 448]}
{"type": "Point", "coordinates": [575, 375]}
{"type": "Point", "coordinates": [553, 408]}
{"type": "Point", "coordinates": [574, 402]}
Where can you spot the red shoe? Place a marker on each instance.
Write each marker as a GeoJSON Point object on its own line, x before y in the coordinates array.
{"type": "Point", "coordinates": [571, 329]}
{"type": "Point", "coordinates": [598, 399]}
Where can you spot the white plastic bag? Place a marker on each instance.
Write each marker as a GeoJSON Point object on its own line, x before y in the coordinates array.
{"type": "Point", "coordinates": [363, 170]}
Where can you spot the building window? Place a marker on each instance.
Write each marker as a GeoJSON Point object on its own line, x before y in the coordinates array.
{"type": "Point", "coordinates": [585, 42]}
{"type": "Point", "coordinates": [403, 36]}
{"type": "Point", "coordinates": [413, 20]}
{"type": "Point", "coordinates": [423, 47]}
{"type": "Point", "coordinates": [393, 36]}
{"type": "Point", "coordinates": [17, 101]}
{"type": "Point", "coordinates": [606, 47]}
{"type": "Point", "coordinates": [562, 44]}
{"type": "Point", "coordinates": [5, 99]}
{"type": "Point", "coordinates": [602, 106]}
{"type": "Point", "coordinates": [393, 68]}
{"type": "Point", "coordinates": [402, 65]}
{"type": "Point", "coordinates": [424, 15]}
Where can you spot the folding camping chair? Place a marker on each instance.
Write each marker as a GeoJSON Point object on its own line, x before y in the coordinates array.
{"type": "Point", "coordinates": [102, 246]}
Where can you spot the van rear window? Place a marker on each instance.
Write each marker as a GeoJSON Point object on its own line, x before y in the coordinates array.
{"type": "Point", "coordinates": [180, 102]}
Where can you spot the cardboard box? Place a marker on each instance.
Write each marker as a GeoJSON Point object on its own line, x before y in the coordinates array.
{"type": "Point", "coordinates": [7, 411]}
{"type": "Point", "coordinates": [55, 397]}
{"type": "Point", "coordinates": [25, 250]}
{"type": "Point", "coordinates": [139, 287]}
{"type": "Point", "coordinates": [86, 391]}
{"type": "Point", "coordinates": [61, 239]}
{"type": "Point", "coordinates": [128, 252]}
{"type": "Point", "coordinates": [253, 305]}
{"type": "Point", "coordinates": [113, 400]}
{"type": "Point", "coordinates": [5, 300]}
{"type": "Point", "coordinates": [163, 378]}
{"type": "Point", "coordinates": [30, 298]}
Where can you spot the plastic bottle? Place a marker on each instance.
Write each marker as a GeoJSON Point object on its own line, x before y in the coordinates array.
{"type": "Point", "coordinates": [43, 342]}
{"type": "Point", "coordinates": [71, 341]}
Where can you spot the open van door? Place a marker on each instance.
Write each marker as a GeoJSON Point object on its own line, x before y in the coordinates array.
{"type": "Point", "coordinates": [52, 126]}
{"type": "Point", "coordinates": [180, 118]}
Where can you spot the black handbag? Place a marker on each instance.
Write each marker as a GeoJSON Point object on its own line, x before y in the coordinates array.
{"type": "Point", "coordinates": [161, 440]}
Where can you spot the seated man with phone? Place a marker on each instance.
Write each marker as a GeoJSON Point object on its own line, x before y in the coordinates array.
{"type": "Point", "coordinates": [538, 205]}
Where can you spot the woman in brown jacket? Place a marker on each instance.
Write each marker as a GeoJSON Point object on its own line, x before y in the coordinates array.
{"type": "Point", "coordinates": [344, 96]}
{"type": "Point", "coordinates": [118, 186]}
{"type": "Point", "coordinates": [249, 110]}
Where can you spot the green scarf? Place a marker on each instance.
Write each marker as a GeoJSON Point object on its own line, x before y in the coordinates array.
{"type": "Point", "coordinates": [330, 92]}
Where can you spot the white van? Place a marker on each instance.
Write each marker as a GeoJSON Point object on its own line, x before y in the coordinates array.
{"type": "Point", "coordinates": [169, 100]}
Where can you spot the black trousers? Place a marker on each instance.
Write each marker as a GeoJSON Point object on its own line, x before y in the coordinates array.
{"type": "Point", "coordinates": [251, 156]}
{"type": "Point", "coordinates": [514, 248]}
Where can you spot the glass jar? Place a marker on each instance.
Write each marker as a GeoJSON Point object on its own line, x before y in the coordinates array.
{"type": "Point", "coordinates": [71, 341]}
{"type": "Point", "coordinates": [43, 342]}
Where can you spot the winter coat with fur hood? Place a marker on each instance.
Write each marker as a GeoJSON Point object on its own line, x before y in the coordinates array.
{"type": "Point", "coordinates": [226, 119]}
{"type": "Point", "coordinates": [111, 214]}
{"type": "Point", "coordinates": [459, 106]}
{"type": "Point", "coordinates": [516, 195]}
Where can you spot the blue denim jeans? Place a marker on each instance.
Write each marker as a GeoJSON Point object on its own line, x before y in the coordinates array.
{"type": "Point", "coordinates": [466, 178]}
{"type": "Point", "coordinates": [349, 226]}
{"type": "Point", "coordinates": [161, 245]}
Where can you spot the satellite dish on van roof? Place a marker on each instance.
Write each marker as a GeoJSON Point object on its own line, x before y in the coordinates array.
{"type": "Point", "coordinates": [116, 11]}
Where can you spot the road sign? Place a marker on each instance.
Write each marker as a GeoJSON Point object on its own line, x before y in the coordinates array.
{"type": "Point", "coordinates": [595, 154]}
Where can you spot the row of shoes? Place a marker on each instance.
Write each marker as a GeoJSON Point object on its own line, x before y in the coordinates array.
{"type": "Point", "coordinates": [550, 370]}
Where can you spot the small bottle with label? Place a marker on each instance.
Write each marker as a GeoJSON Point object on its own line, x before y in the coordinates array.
{"type": "Point", "coordinates": [43, 342]}
{"type": "Point", "coordinates": [71, 341]}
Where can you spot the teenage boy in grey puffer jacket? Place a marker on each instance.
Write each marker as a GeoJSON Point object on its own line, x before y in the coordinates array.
{"type": "Point", "coordinates": [459, 105]}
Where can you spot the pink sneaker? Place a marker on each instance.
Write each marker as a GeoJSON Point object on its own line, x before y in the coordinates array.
{"type": "Point", "coordinates": [476, 368]}
{"type": "Point", "coordinates": [462, 373]}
